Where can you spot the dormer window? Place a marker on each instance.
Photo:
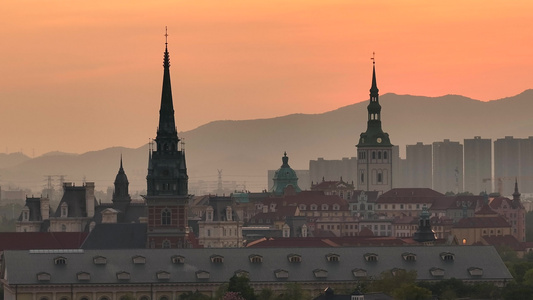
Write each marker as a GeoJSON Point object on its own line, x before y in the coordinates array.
{"type": "Point", "coordinates": [332, 257]}
{"type": "Point", "coordinates": [163, 275]}
{"type": "Point", "coordinates": [281, 274]}
{"type": "Point", "coordinates": [407, 256]}
{"type": "Point", "coordinates": [83, 276]}
{"type": "Point", "coordinates": [447, 256]}
{"type": "Point", "coordinates": [138, 260]}
{"type": "Point", "coordinates": [255, 258]}
{"type": "Point", "coordinates": [397, 271]}
{"type": "Point", "coordinates": [336, 207]}
{"type": "Point", "coordinates": [475, 271]}
{"type": "Point", "coordinates": [217, 259]}
{"type": "Point", "coordinates": [359, 273]}
{"type": "Point", "coordinates": [177, 259]}
{"type": "Point", "coordinates": [43, 276]}
{"type": "Point", "coordinates": [325, 207]}
{"type": "Point", "coordinates": [371, 257]}
{"type": "Point", "coordinates": [320, 273]}
{"type": "Point", "coordinates": [64, 210]}
{"type": "Point", "coordinates": [123, 275]}
{"type": "Point", "coordinates": [303, 207]}
{"type": "Point", "coordinates": [201, 274]}
{"type": "Point", "coordinates": [436, 272]}
{"type": "Point", "coordinates": [242, 273]}
{"type": "Point", "coordinates": [99, 260]}
{"type": "Point", "coordinates": [294, 258]}
{"type": "Point", "coordinates": [60, 260]}
{"type": "Point", "coordinates": [25, 214]}
{"type": "Point", "coordinates": [313, 206]}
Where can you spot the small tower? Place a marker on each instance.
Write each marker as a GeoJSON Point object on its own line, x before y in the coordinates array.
{"type": "Point", "coordinates": [121, 196]}
{"type": "Point", "coordinates": [516, 195]}
{"type": "Point", "coordinates": [285, 178]}
{"type": "Point", "coordinates": [374, 150]}
{"type": "Point", "coordinates": [424, 233]}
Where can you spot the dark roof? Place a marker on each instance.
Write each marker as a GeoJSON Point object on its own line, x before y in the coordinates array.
{"type": "Point", "coordinates": [332, 185]}
{"type": "Point", "coordinates": [74, 197]}
{"type": "Point", "coordinates": [130, 213]}
{"type": "Point", "coordinates": [41, 240]}
{"type": "Point", "coordinates": [482, 222]}
{"type": "Point", "coordinates": [308, 198]}
{"type": "Point", "coordinates": [117, 236]}
{"type": "Point", "coordinates": [22, 266]}
{"type": "Point", "coordinates": [486, 211]}
{"type": "Point", "coordinates": [410, 195]}
{"type": "Point", "coordinates": [347, 241]}
{"type": "Point", "coordinates": [504, 240]}
{"type": "Point", "coordinates": [34, 205]}
{"type": "Point", "coordinates": [330, 295]}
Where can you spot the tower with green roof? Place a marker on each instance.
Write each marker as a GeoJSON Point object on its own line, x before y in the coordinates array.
{"type": "Point", "coordinates": [374, 150]}
{"type": "Point", "coordinates": [284, 178]}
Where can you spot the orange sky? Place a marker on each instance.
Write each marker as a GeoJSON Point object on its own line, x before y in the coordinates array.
{"type": "Point", "coordinates": [85, 75]}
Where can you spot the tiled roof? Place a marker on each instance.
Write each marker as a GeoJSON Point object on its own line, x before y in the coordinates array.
{"type": "Point", "coordinates": [504, 240]}
{"type": "Point", "coordinates": [332, 185]}
{"type": "Point", "coordinates": [486, 211]}
{"type": "Point", "coordinates": [117, 236]}
{"type": "Point", "coordinates": [41, 240]}
{"type": "Point", "coordinates": [307, 198]}
{"type": "Point", "coordinates": [23, 266]}
{"type": "Point", "coordinates": [411, 192]}
{"type": "Point", "coordinates": [482, 222]}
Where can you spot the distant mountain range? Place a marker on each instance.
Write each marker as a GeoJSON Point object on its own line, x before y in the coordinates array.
{"type": "Point", "coordinates": [246, 149]}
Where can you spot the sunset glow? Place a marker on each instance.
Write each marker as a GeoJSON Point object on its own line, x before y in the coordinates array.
{"type": "Point", "coordinates": [79, 76]}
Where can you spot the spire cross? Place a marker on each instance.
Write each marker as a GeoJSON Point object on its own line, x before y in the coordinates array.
{"type": "Point", "coordinates": [373, 58]}
{"type": "Point", "coordinates": [166, 36]}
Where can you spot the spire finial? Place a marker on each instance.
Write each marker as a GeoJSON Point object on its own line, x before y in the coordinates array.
{"type": "Point", "coordinates": [166, 36]}
{"type": "Point", "coordinates": [373, 58]}
{"type": "Point", "coordinates": [121, 160]}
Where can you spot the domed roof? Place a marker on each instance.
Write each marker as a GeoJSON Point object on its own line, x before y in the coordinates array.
{"type": "Point", "coordinates": [285, 176]}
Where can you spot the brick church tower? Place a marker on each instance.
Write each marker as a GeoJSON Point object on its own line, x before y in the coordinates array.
{"type": "Point", "coordinates": [167, 181]}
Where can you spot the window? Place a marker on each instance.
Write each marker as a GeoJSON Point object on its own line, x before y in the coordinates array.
{"type": "Point", "coordinates": [379, 154]}
{"type": "Point", "coordinates": [436, 272]}
{"type": "Point", "coordinates": [447, 256]}
{"type": "Point", "coordinates": [325, 207]}
{"type": "Point", "coordinates": [294, 258]}
{"type": "Point", "coordinates": [242, 273]}
{"type": "Point", "coordinates": [255, 258]}
{"type": "Point", "coordinates": [43, 276]}
{"type": "Point", "coordinates": [99, 260]}
{"type": "Point", "coordinates": [163, 275]}
{"type": "Point", "coordinates": [362, 177]}
{"type": "Point", "coordinates": [380, 177]}
{"type": "Point", "coordinates": [60, 260]}
{"type": "Point", "coordinates": [83, 276]}
{"type": "Point", "coordinates": [63, 228]}
{"type": "Point", "coordinates": [177, 259]}
{"type": "Point", "coordinates": [281, 274]}
{"type": "Point", "coordinates": [320, 273]}
{"type": "Point", "coordinates": [166, 244]}
{"type": "Point", "coordinates": [358, 273]}
{"type": "Point", "coordinates": [407, 256]}
{"type": "Point", "coordinates": [475, 271]}
{"type": "Point", "coordinates": [202, 274]}
{"type": "Point", "coordinates": [371, 257]}
{"type": "Point", "coordinates": [138, 260]}
{"type": "Point", "coordinates": [332, 257]}
{"type": "Point", "coordinates": [373, 154]}
{"type": "Point", "coordinates": [313, 206]}
{"type": "Point", "coordinates": [385, 156]}
{"type": "Point", "coordinates": [123, 275]}
{"type": "Point", "coordinates": [165, 217]}
{"type": "Point", "coordinates": [217, 259]}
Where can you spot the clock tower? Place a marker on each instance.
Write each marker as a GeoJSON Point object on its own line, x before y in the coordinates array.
{"type": "Point", "coordinates": [374, 150]}
{"type": "Point", "coordinates": [167, 181]}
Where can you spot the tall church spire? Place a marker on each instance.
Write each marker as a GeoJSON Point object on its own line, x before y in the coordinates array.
{"type": "Point", "coordinates": [167, 126]}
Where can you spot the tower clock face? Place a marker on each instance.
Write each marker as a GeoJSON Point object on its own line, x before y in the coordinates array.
{"type": "Point", "coordinates": [379, 140]}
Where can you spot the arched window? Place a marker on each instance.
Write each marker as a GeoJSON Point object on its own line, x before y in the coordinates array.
{"type": "Point", "coordinates": [373, 154]}
{"type": "Point", "coordinates": [165, 217]}
{"type": "Point", "coordinates": [385, 155]}
{"type": "Point", "coordinates": [380, 177]}
{"type": "Point", "coordinates": [362, 177]}
{"type": "Point", "coordinates": [379, 154]}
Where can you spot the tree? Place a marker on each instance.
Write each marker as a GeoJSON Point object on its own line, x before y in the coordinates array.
{"type": "Point", "coordinates": [411, 292]}
{"type": "Point", "coordinates": [241, 285]}
{"type": "Point", "coordinates": [194, 296]}
{"type": "Point", "coordinates": [265, 294]}
{"type": "Point", "coordinates": [232, 296]}
{"type": "Point", "coordinates": [293, 291]}
{"type": "Point", "coordinates": [388, 282]}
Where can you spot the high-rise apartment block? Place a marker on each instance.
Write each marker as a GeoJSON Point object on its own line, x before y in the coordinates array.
{"type": "Point", "coordinates": [477, 165]}
{"type": "Point", "coordinates": [448, 166]}
{"type": "Point", "coordinates": [418, 166]}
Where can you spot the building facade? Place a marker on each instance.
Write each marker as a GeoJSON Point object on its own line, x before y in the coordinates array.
{"type": "Point", "coordinates": [478, 165]}
{"type": "Point", "coordinates": [374, 150]}
{"type": "Point", "coordinates": [448, 166]}
{"type": "Point", "coordinates": [167, 179]}
{"type": "Point", "coordinates": [418, 166]}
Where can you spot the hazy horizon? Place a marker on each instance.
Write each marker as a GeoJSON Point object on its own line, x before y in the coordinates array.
{"type": "Point", "coordinates": [79, 77]}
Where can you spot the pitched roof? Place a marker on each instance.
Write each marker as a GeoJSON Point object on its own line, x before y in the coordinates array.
{"type": "Point", "coordinates": [41, 240]}
{"type": "Point", "coordinates": [485, 211]}
{"type": "Point", "coordinates": [117, 236]}
{"type": "Point", "coordinates": [308, 198]}
{"type": "Point", "coordinates": [22, 266]}
{"type": "Point", "coordinates": [482, 222]}
{"type": "Point", "coordinates": [409, 195]}
{"type": "Point", "coordinates": [504, 240]}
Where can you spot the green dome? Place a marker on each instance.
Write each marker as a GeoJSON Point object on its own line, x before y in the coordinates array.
{"type": "Point", "coordinates": [284, 177]}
